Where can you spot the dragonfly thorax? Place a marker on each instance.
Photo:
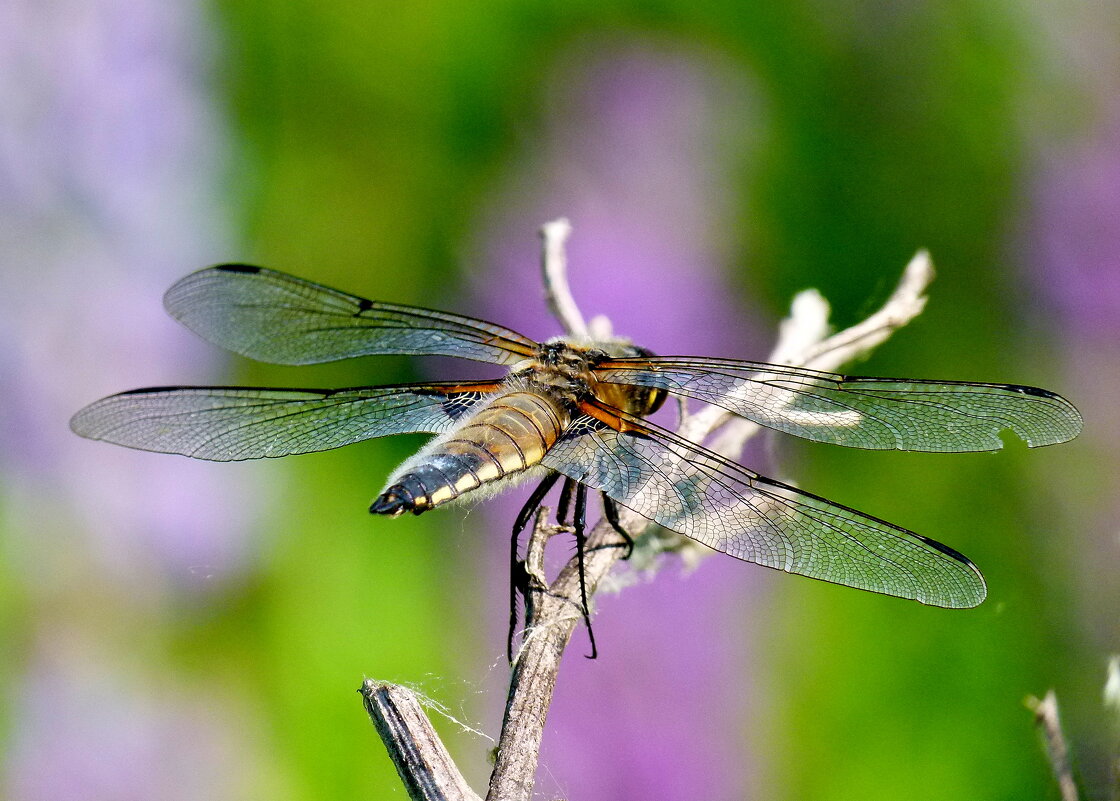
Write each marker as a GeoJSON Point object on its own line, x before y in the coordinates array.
{"type": "Point", "coordinates": [566, 370]}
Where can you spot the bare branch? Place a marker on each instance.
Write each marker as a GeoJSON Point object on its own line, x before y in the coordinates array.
{"type": "Point", "coordinates": [425, 767]}
{"type": "Point", "coordinates": [553, 610]}
{"type": "Point", "coordinates": [803, 341]}
{"type": "Point", "coordinates": [905, 303]}
{"type": "Point", "coordinates": [554, 268]}
{"type": "Point", "coordinates": [1046, 718]}
{"type": "Point", "coordinates": [552, 613]}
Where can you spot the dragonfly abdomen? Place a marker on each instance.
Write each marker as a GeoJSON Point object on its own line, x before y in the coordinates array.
{"type": "Point", "coordinates": [504, 439]}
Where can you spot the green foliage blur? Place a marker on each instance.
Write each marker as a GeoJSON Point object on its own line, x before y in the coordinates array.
{"type": "Point", "coordinates": [367, 139]}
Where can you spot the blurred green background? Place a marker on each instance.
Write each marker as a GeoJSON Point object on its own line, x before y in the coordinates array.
{"type": "Point", "coordinates": [180, 630]}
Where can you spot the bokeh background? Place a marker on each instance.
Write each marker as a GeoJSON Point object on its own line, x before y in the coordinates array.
{"type": "Point", "coordinates": [182, 630]}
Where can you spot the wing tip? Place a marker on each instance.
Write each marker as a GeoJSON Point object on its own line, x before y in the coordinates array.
{"type": "Point", "coordinates": [970, 597]}
{"type": "Point", "coordinates": [76, 423]}
{"type": "Point", "coordinates": [88, 421]}
{"type": "Point", "coordinates": [1070, 426]}
{"type": "Point", "coordinates": [1066, 421]}
{"type": "Point", "coordinates": [171, 296]}
{"type": "Point", "coordinates": [970, 591]}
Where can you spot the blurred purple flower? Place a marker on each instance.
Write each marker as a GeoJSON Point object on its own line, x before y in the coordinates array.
{"type": "Point", "coordinates": [1076, 231]}
{"type": "Point", "coordinates": [642, 154]}
{"type": "Point", "coordinates": [86, 731]}
{"type": "Point", "coordinates": [1073, 247]}
{"type": "Point", "coordinates": [110, 171]}
{"type": "Point", "coordinates": [110, 188]}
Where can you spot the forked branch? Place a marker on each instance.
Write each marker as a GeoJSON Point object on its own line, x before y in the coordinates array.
{"type": "Point", "coordinates": [553, 609]}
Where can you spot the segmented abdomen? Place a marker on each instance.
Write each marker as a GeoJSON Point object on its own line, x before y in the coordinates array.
{"type": "Point", "coordinates": [508, 436]}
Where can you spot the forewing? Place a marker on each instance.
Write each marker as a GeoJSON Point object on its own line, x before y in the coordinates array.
{"type": "Point", "coordinates": [232, 423]}
{"type": "Point", "coordinates": [860, 412]}
{"type": "Point", "coordinates": [275, 317]}
{"type": "Point", "coordinates": [734, 510]}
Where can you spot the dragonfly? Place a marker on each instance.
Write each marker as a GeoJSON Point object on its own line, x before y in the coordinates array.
{"type": "Point", "coordinates": [578, 410]}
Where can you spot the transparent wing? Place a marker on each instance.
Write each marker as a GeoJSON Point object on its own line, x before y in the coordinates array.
{"type": "Point", "coordinates": [739, 512]}
{"type": "Point", "coordinates": [275, 317]}
{"type": "Point", "coordinates": [232, 423]}
{"type": "Point", "coordinates": [859, 412]}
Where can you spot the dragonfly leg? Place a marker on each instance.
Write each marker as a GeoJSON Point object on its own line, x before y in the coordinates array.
{"type": "Point", "coordinates": [610, 511]}
{"type": "Point", "coordinates": [565, 501]}
{"type": "Point", "coordinates": [579, 523]}
{"type": "Point", "coordinates": [518, 576]}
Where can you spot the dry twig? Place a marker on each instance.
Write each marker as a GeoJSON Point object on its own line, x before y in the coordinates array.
{"type": "Point", "coordinates": [425, 767]}
{"type": "Point", "coordinates": [1050, 725]}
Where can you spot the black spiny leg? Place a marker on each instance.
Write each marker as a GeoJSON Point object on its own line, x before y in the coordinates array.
{"type": "Point", "coordinates": [565, 501]}
{"type": "Point", "coordinates": [579, 523]}
{"type": "Point", "coordinates": [518, 577]}
{"type": "Point", "coordinates": [610, 511]}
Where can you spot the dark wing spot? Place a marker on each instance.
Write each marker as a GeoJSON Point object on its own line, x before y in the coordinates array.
{"type": "Point", "coordinates": [1035, 391]}
{"type": "Point", "coordinates": [238, 268]}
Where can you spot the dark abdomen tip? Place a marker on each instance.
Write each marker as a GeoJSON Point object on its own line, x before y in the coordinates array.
{"type": "Point", "coordinates": [396, 501]}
